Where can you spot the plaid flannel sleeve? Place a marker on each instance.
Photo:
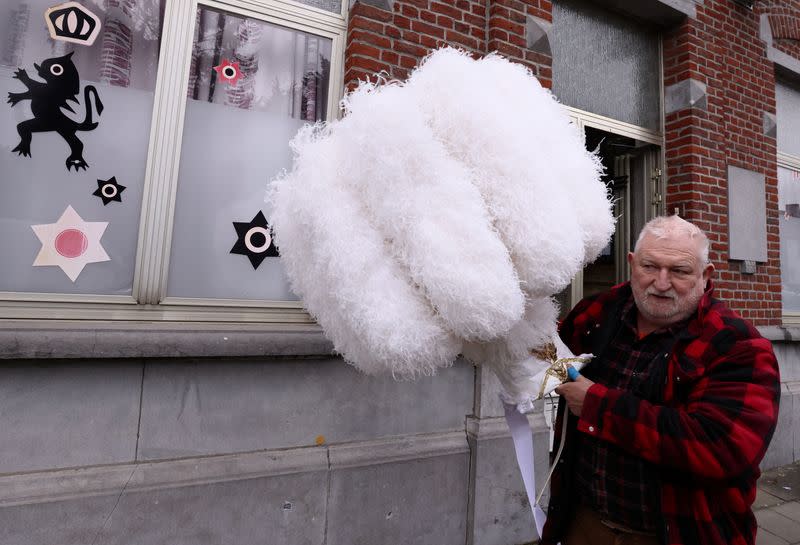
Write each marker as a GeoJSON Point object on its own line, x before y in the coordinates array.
{"type": "Point", "coordinates": [721, 427]}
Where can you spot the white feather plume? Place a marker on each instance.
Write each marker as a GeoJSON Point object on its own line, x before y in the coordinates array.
{"type": "Point", "coordinates": [440, 212]}
{"type": "Point", "coordinates": [496, 118]}
{"type": "Point", "coordinates": [341, 268]}
{"type": "Point", "coordinates": [423, 201]}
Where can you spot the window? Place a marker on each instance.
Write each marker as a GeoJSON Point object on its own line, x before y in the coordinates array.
{"type": "Point", "coordinates": [618, 55]}
{"type": "Point", "coordinates": [789, 221]}
{"type": "Point", "coordinates": [45, 172]}
{"type": "Point", "coordinates": [136, 185]}
{"type": "Point", "coordinates": [632, 156]}
{"type": "Point", "coordinates": [234, 138]}
{"type": "Point", "coordinates": [788, 115]}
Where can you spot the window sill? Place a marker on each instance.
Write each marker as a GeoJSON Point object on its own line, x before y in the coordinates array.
{"type": "Point", "coordinates": [781, 333]}
{"type": "Point", "coordinates": [103, 340]}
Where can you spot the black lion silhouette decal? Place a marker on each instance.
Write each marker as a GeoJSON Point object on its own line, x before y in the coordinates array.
{"type": "Point", "coordinates": [62, 84]}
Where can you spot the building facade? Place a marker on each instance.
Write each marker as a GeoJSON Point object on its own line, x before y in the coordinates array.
{"type": "Point", "coordinates": [160, 382]}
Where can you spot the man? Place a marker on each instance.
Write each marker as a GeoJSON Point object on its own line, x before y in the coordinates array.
{"type": "Point", "coordinates": [670, 420]}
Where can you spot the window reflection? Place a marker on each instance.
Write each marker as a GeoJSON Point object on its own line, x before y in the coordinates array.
{"type": "Point", "coordinates": [255, 65]}
{"type": "Point", "coordinates": [789, 209]}
{"type": "Point", "coordinates": [252, 86]}
{"type": "Point", "coordinates": [124, 55]}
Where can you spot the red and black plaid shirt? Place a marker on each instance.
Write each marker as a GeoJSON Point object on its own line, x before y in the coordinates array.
{"type": "Point", "coordinates": [704, 439]}
{"type": "Point", "coordinates": [619, 485]}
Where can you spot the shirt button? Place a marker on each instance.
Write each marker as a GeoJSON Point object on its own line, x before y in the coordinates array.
{"type": "Point", "coordinates": [591, 429]}
{"type": "Point", "coordinates": [677, 379]}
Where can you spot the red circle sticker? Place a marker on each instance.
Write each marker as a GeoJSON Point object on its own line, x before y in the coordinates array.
{"type": "Point", "coordinates": [228, 71]}
{"type": "Point", "coordinates": [71, 243]}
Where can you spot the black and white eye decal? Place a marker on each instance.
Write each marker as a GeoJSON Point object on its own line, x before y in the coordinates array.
{"type": "Point", "coordinates": [229, 72]}
{"type": "Point", "coordinates": [56, 69]}
{"type": "Point", "coordinates": [254, 240]}
{"type": "Point", "coordinates": [109, 190]}
{"type": "Point", "coordinates": [72, 22]}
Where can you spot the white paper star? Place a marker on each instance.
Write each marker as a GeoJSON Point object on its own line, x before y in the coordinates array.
{"type": "Point", "coordinates": [70, 243]}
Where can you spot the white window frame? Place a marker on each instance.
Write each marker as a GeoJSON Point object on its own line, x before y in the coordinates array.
{"type": "Point", "coordinates": [791, 162]}
{"type": "Point", "coordinates": [148, 301]}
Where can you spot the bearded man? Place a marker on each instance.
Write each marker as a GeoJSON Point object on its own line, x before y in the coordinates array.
{"type": "Point", "coordinates": [667, 425]}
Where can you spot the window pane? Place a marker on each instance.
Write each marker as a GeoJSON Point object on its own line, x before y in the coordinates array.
{"type": "Point", "coordinates": [787, 102]}
{"type": "Point", "coordinates": [605, 63]}
{"type": "Point", "coordinates": [334, 6]}
{"type": "Point", "coordinates": [68, 154]}
{"type": "Point", "coordinates": [252, 85]}
{"type": "Point", "coordinates": [789, 206]}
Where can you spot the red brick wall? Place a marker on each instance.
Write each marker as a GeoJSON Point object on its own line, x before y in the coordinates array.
{"type": "Point", "coordinates": [507, 20]}
{"type": "Point", "coordinates": [393, 42]}
{"type": "Point", "coordinates": [722, 49]}
{"type": "Point", "coordinates": [784, 19]}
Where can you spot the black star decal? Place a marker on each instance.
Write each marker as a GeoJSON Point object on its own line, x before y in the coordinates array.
{"type": "Point", "coordinates": [255, 240]}
{"type": "Point", "coordinates": [109, 190]}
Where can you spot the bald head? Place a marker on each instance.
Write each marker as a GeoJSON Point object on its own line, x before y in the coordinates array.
{"type": "Point", "coordinates": [664, 227]}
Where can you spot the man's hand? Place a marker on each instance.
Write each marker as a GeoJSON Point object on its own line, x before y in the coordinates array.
{"type": "Point", "coordinates": [574, 393]}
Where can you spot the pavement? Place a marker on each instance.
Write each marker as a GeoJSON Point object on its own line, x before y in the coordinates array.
{"type": "Point", "coordinates": [777, 506]}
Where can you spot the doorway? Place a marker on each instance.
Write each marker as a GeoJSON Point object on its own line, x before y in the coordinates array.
{"type": "Point", "coordinates": [632, 175]}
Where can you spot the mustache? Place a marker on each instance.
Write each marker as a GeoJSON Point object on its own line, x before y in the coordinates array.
{"type": "Point", "coordinates": [669, 293]}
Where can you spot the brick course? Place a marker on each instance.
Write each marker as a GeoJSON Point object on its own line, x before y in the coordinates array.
{"type": "Point", "coordinates": [384, 43]}
{"type": "Point", "coordinates": [784, 21]}
{"type": "Point", "coordinates": [722, 49]}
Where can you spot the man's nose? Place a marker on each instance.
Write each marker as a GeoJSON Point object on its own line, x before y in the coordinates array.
{"type": "Point", "coordinates": [663, 282]}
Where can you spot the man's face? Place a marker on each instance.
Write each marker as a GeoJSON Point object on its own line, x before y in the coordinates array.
{"type": "Point", "coordinates": [668, 278]}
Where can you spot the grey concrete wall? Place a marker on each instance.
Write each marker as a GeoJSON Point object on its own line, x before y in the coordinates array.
{"type": "Point", "coordinates": [57, 414]}
{"type": "Point", "coordinates": [241, 511]}
{"type": "Point", "coordinates": [785, 446]}
{"type": "Point", "coordinates": [398, 490]}
{"type": "Point", "coordinates": [200, 407]}
{"type": "Point", "coordinates": [63, 413]}
{"type": "Point", "coordinates": [500, 511]}
{"type": "Point", "coordinates": [272, 451]}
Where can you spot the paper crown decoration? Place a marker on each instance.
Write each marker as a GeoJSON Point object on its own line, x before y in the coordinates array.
{"type": "Point", "coordinates": [72, 22]}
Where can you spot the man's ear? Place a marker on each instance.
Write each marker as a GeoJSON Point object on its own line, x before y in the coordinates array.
{"type": "Point", "coordinates": [630, 259]}
{"type": "Point", "coordinates": [707, 271]}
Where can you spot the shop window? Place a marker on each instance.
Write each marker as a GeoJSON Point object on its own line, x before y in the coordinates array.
{"type": "Point", "coordinates": [53, 158]}
{"type": "Point", "coordinates": [137, 144]}
{"type": "Point", "coordinates": [789, 210]}
{"type": "Point", "coordinates": [787, 100]}
{"type": "Point", "coordinates": [334, 6]}
{"type": "Point", "coordinates": [239, 119]}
